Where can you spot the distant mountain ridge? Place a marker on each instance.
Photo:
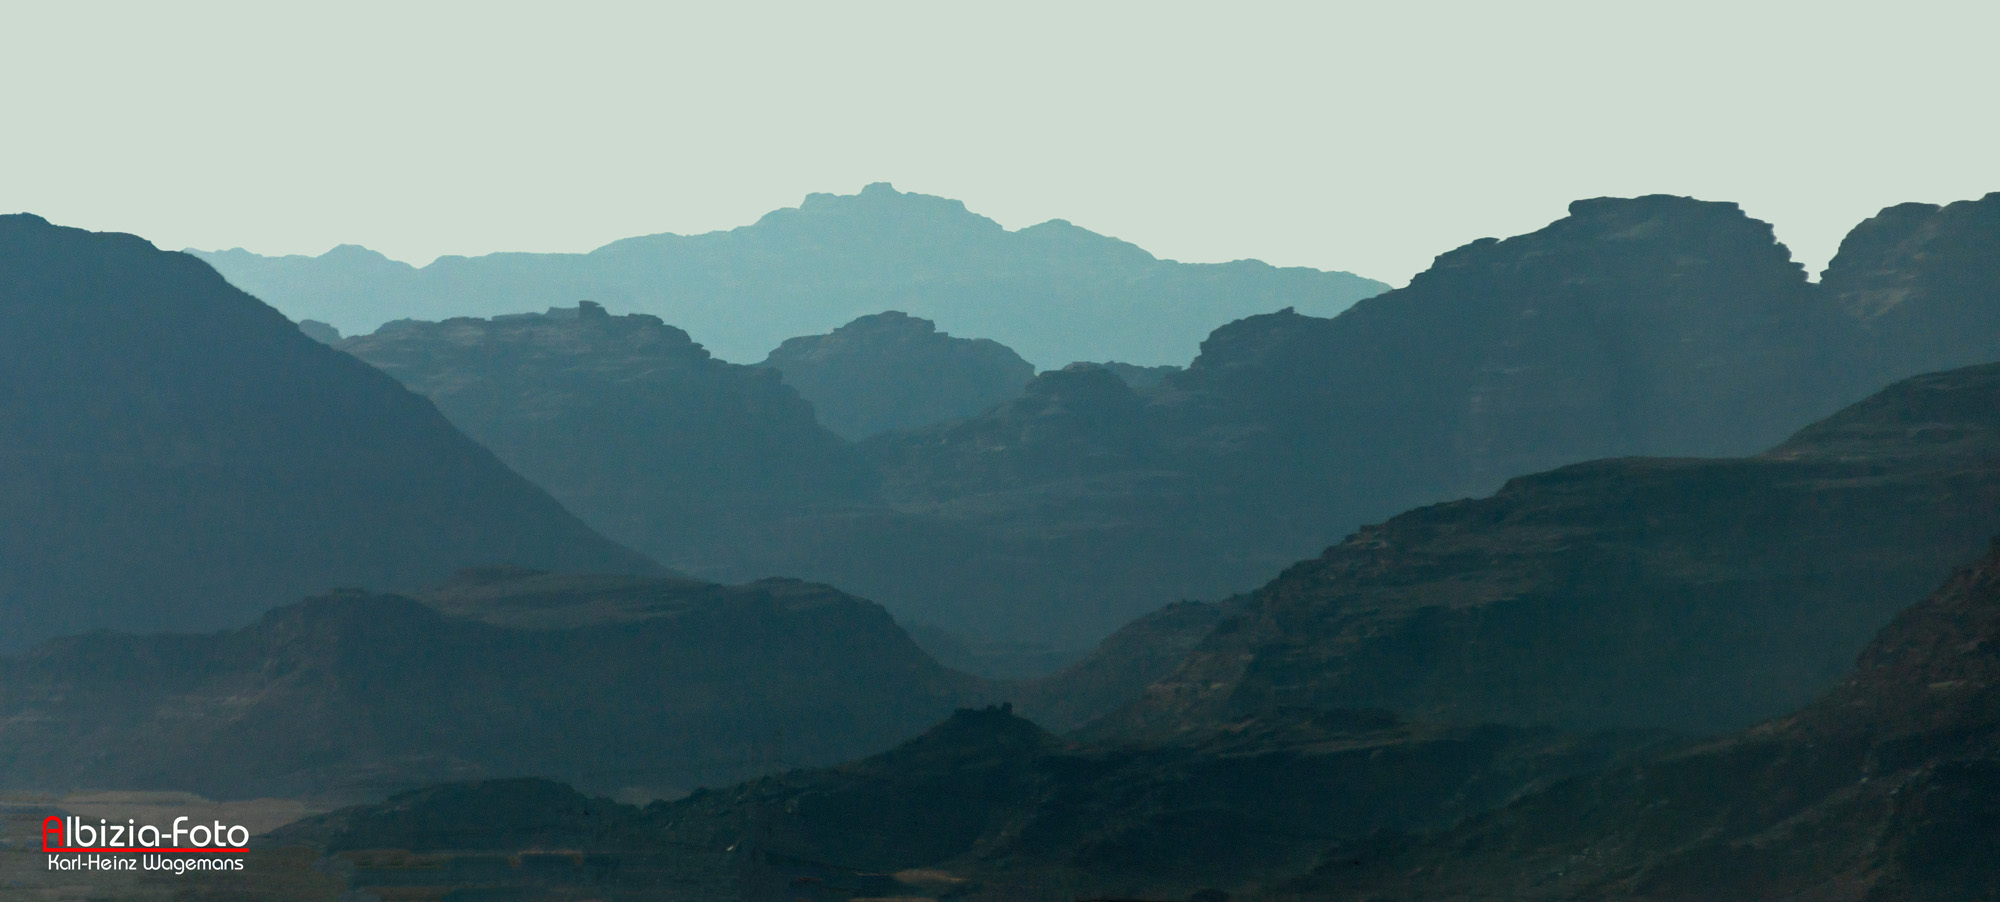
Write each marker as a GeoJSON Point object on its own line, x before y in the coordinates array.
{"type": "Point", "coordinates": [176, 455]}
{"type": "Point", "coordinates": [890, 371]}
{"type": "Point", "coordinates": [1053, 292]}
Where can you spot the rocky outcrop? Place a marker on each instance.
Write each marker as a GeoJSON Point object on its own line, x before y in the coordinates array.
{"type": "Point", "coordinates": [891, 371]}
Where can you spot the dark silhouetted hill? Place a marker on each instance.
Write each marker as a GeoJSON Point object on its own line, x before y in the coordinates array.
{"type": "Point", "coordinates": [649, 686]}
{"type": "Point", "coordinates": [1695, 595]}
{"type": "Point", "coordinates": [627, 421]}
{"type": "Point", "coordinates": [176, 455]}
{"type": "Point", "coordinates": [1053, 292]}
{"type": "Point", "coordinates": [987, 806]}
{"type": "Point", "coordinates": [1886, 787]}
{"type": "Point", "coordinates": [893, 371]}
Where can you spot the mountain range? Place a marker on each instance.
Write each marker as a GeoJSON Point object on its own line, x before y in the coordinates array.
{"type": "Point", "coordinates": [1053, 292]}
{"type": "Point", "coordinates": [175, 454]}
{"type": "Point", "coordinates": [644, 686]}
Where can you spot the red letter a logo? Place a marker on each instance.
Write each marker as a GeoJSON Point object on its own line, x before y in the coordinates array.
{"type": "Point", "coordinates": [52, 833]}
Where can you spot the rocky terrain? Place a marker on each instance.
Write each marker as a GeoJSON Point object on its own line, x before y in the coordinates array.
{"type": "Point", "coordinates": [891, 371]}
{"type": "Point", "coordinates": [175, 454]}
{"type": "Point", "coordinates": [628, 422]}
{"type": "Point", "coordinates": [983, 806]}
{"type": "Point", "coordinates": [1886, 787]}
{"type": "Point", "coordinates": [1054, 292]}
{"type": "Point", "coordinates": [1694, 595]}
{"type": "Point", "coordinates": [640, 686]}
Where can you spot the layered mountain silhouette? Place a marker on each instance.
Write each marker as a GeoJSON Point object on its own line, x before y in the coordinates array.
{"type": "Point", "coordinates": [628, 422]}
{"type": "Point", "coordinates": [1054, 292]}
{"type": "Point", "coordinates": [178, 455]}
{"type": "Point", "coordinates": [893, 371]}
{"type": "Point", "coordinates": [1693, 595]}
{"type": "Point", "coordinates": [1886, 787]}
{"type": "Point", "coordinates": [988, 805]}
{"type": "Point", "coordinates": [646, 685]}
{"type": "Point", "coordinates": [1656, 325]}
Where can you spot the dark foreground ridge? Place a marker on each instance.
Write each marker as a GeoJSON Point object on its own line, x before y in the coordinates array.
{"type": "Point", "coordinates": [1887, 787]}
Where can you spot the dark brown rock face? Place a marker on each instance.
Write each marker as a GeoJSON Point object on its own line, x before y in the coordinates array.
{"type": "Point", "coordinates": [176, 455]}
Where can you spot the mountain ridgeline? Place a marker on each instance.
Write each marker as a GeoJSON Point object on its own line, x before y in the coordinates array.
{"type": "Point", "coordinates": [176, 455]}
{"type": "Point", "coordinates": [1053, 292]}
{"type": "Point", "coordinates": [1656, 326]}
{"type": "Point", "coordinates": [649, 686]}
{"type": "Point", "coordinates": [894, 371]}
{"type": "Point", "coordinates": [627, 421]}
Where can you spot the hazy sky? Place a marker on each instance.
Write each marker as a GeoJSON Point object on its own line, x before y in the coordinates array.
{"type": "Point", "coordinates": [1367, 137]}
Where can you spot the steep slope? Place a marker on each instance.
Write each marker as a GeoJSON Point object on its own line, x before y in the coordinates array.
{"type": "Point", "coordinates": [892, 371]}
{"type": "Point", "coordinates": [1697, 595]}
{"type": "Point", "coordinates": [1054, 292]}
{"type": "Point", "coordinates": [1887, 787]}
{"type": "Point", "coordinates": [627, 421]}
{"type": "Point", "coordinates": [1655, 325]}
{"type": "Point", "coordinates": [176, 455]}
{"type": "Point", "coordinates": [1924, 282]}
{"type": "Point", "coordinates": [650, 686]}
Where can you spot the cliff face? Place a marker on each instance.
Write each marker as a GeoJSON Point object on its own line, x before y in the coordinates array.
{"type": "Point", "coordinates": [1887, 787]}
{"type": "Point", "coordinates": [1696, 595]}
{"type": "Point", "coordinates": [1924, 283]}
{"type": "Point", "coordinates": [892, 371]}
{"type": "Point", "coordinates": [177, 455]}
{"type": "Point", "coordinates": [627, 421]}
{"type": "Point", "coordinates": [652, 686]}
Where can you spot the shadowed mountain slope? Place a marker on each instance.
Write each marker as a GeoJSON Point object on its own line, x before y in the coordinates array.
{"type": "Point", "coordinates": [1053, 292]}
{"type": "Point", "coordinates": [1886, 788]}
{"type": "Point", "coordinates": [175, 454]}
{"type": "Point", "coordinates": [1655, 325]}
{"type": "Point", "coordinates": [989, 806]}
{"type": "Point", "coordinates": [1924, 282]}
{"type": "Point", "coordinates": [627, 421]}
{"type": "Point", "coordinates": [894, 371]}
{"type": "Point", "coordinates": [1696, 595]}
{"type": "Point", "coordinates": [650, 686]}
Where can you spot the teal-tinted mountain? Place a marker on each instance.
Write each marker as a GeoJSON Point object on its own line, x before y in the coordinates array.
{"type": "Point", "coordinates": [649, 686]}
{"type": "Point", "coordinates": [175, 454]}
{"type": "Point", "coordinates": [1054, 292]}
{"type": "Point", "coordinates": [890, 371]}
{"type": "Point", "coordinates": [1886, 787]}
{"type": "Point", "coordinates": [1698, 595]}
{"type": "Point", "coordinates": [1655, 325]}
{"type": "Point", "coordinates": [1923, 281]}
{"type": "Point", "coordinates": [628, 422]}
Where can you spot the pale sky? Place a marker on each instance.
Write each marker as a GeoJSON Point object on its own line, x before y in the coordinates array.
{"type": "Point", "coordinates": [1364, 137]}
